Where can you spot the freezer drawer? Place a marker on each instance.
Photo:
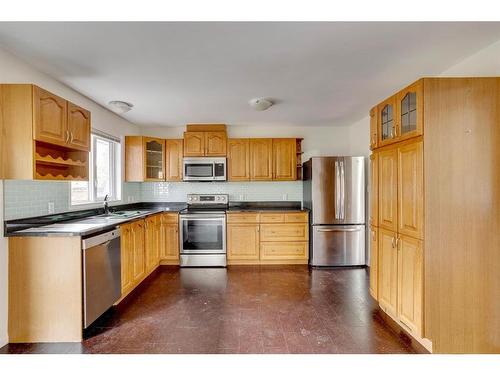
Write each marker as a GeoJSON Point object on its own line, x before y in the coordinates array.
{"type": "Point", "coordinates": [338, 245]}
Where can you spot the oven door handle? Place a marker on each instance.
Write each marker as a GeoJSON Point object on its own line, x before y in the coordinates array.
{"type": "Point", "coordinates": [202, 217]}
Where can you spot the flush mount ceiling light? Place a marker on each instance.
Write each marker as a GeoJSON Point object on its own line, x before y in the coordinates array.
{"type": "Point", "coordinates": [119, 106]}
{"type": "Point", "coordinates": [260, 104]}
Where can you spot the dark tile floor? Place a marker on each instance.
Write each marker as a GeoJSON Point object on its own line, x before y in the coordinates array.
{"type": "Point", "coordinates": [241, 310]}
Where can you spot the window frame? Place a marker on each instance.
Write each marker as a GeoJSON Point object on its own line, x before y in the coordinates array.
{"type": "Point", "coordinates": [115, 172]}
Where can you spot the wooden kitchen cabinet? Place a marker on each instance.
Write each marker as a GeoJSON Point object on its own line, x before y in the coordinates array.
{"type": "Point", "coordinates": [173, 159]}
{"type": "Point", "coordinates": [410, 110]}
{"type": "Point", "coordinates": [410, 283]}
{"type": "Point", "coordinates": [373, 128]}
{"type": "Point", "coordinates": [411, 189]}
{"type": "Point", "coordinates": [284, 252]}
{"type": "Point", "coordinates": [194, 144]}
{"type": "Point", "coordinates": [127, 258]}
{"type": "Point", "coordinates": [388, 189]}
{"type": "Point", "coordinates": [374, 170]}
{"type": "Point", "coordinates": [152, 241]}
{"type": "Point", "coordinates": [261, 159]}
{"type": "Point", "coordinates": [284, 159]}
{"type": "Point", "coordinates": [374, 262]}
{"type": "Point", "coordinates": [50, 117]}
{"type": "Point", "coordinates": [242, 243]}
{"type": "Point", "coordinates": [388, 271]}
{"type": "Point", "coordinates": [386, 121]}
{"type": "Point", "coordinates": [78, 127]}
{"type": "Point", "coordinates": [284, 232]}
{"type": "Point", "coordinates": [154, 159]}
{"type": "Point", "coordinates": [169, 238]}
{"type": "Point", "coordinates": [238, 159]}
{"type": "Point", "coordinates": [215, 143]}
{"type": "Point", "coordinates": [138, 251]}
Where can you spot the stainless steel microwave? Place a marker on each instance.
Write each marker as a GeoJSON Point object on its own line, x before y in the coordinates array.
{"type": "Point", "coordinates": [204, 169]}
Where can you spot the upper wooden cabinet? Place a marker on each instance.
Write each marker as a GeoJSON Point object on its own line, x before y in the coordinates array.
{"type": "Point", "coordinates": [205, 143]}
{"type": "Point", "coordinates": [50, 117]}
{"type": "Point", "coordinates": [386, 121]}
{"type": "Point", "coordinates": [45, 136]}
{"type": "Point", "coordinates": [399, 117]}
{"type": "Point", "coordinates": [173, 159]}
{"type": "Point", "coordinates": [411, 189]}
{"type": "Point", "coordinates": [238, 159]}
{"type": "Point", "coordinates": [373, 128]}
{"type": "Point", "coordinates": [410, 109]}
{"type": "Point", "coordinates": [194, 144]}
{"type": "Point", "coordinates": [152, 159]}
{"type": "Point", "coordinates": [261, 159]}
{"type": "Point", "coordinates": [284, 159]}
{"type": "Point", "coordinates": [78, 127]}
{"type": "Point", "coordinates": [215, 143]}
{"type": "Point", "coordinates": [388, 189]}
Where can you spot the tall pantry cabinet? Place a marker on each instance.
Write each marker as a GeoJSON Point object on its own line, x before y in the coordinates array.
{"type": "Point", "coordinates": [435, 212]}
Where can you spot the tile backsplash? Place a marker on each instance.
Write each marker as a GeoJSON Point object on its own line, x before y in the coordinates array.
{"type": "Point", "coordinates": [31, 198]}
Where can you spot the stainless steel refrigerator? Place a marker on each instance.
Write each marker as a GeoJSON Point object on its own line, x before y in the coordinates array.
{"type": "Point", "coordinates": [334, 191]}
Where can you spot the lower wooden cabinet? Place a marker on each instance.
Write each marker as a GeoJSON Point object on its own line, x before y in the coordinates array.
{"type": "Point", "coordinates": [127, 257]}
{"type": "Point", "coordinates": [242, 243]}
{"type": "Point", "coordinates": [138, 253]}
{"type": "Point", "coordinates": [374, 262]}
{"type": "Point", "coordinates": [152, 225]}
{"type": "Point", "coordinates": [410, 283]}
{"type": "Point", "coordinates": [169, 238]}
{"type": "Point", "coordinates": [388, 271]}
{"type": "Point", "coordinates": [268, 237]}
{"type": "Point", "coordinates": [284, 251]}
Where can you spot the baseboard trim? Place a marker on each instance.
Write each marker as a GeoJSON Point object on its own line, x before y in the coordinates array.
{"type": "Point", "coordinates": [420, 345]}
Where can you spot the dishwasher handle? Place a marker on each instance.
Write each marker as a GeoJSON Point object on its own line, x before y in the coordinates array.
{"type": "Point", "coordinates": [101, 238]}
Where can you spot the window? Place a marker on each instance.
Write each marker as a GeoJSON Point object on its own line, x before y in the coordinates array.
{"type": "Point", "coordinates": [104, 176]}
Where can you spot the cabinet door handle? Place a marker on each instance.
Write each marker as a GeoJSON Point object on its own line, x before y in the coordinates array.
{"type": "Point", "coordinates": [67, 136]}
{"type": "Point", "coordinates": [393, 242]}
{"type": "Point", "coordinates": [71, 139]}
{"type": "Point", "coordinates": [397, 243]}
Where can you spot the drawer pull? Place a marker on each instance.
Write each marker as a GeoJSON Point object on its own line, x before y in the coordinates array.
{"type": "Point", "coordinates": [338, 230]}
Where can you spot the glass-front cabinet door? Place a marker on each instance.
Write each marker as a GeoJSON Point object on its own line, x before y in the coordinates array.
{"type": "Point", "coordinates": [154, 159]}
{"type": "Point", "coordinates": [410, 110]}
{"type": "Point", "coordinates": [386, 121]}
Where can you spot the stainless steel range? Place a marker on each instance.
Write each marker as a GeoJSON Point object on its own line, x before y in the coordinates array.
{"type": "Point", "coordinates": [202, 228]}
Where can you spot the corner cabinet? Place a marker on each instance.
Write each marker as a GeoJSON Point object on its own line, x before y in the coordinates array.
{"type": "Point", "coordinates": [45, 137]}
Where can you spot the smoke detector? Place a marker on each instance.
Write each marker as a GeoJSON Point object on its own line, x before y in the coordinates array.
{"type": "Point", "coordinates": [120, 107]}
{"type": "Point", "coordinates": [260, 104]}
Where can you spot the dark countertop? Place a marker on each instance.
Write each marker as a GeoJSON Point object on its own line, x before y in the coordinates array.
{"type": "Point", "coordinates": [86, 222]}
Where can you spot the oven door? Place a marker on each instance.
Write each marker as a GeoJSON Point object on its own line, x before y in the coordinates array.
{"type": "Point", "coordinates": [203, 233]}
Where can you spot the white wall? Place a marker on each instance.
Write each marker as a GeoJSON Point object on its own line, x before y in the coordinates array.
{"type": "Point", "coordinates": [318, 140]}
{"type": "Point", "coordinates": [13, 70]}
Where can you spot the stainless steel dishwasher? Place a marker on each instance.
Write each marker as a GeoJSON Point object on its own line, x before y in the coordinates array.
{"type": "Point", "coordinates": [101, 274]}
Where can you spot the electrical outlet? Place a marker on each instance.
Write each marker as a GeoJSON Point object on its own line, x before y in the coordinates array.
{"type": "Point", "coordinates": [51, 208]}
{"type": "Point", "coordinates": [285, 196]}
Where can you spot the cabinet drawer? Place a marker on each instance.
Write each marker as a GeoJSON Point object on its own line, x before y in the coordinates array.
{"type": "Point", "coordinates": [252, 217]}
{"type": "Point", "coordinates": [284, 232]}
{"type": "Point", "coordinates": [275, 217]}
{"type": "Point", "coordinates": [283, 250]}
{"type": "Point", "coordinates": [169, 218]}
{"type": "Point", "coordinates": [296, 217]}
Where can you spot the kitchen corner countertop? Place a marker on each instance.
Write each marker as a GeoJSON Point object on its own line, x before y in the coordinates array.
{"type": "Point", "coordinates": [84, 223]}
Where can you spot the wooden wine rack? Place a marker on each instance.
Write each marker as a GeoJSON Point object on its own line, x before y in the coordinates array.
{"type": "Point", "coordinates": [54, 162]}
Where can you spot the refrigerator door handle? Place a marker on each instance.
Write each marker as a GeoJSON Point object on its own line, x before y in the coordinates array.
{"type": "Point", "coordinates": [337, 191]}
{"type": "Point", "coordinates": [342, 191]}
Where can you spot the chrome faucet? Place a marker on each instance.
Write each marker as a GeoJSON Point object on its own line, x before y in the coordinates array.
{"type": "Point", "coordinates": [106, 207]}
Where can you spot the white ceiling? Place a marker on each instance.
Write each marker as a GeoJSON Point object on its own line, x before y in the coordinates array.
{"type": "Point", "coordinates": [187, 72]}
